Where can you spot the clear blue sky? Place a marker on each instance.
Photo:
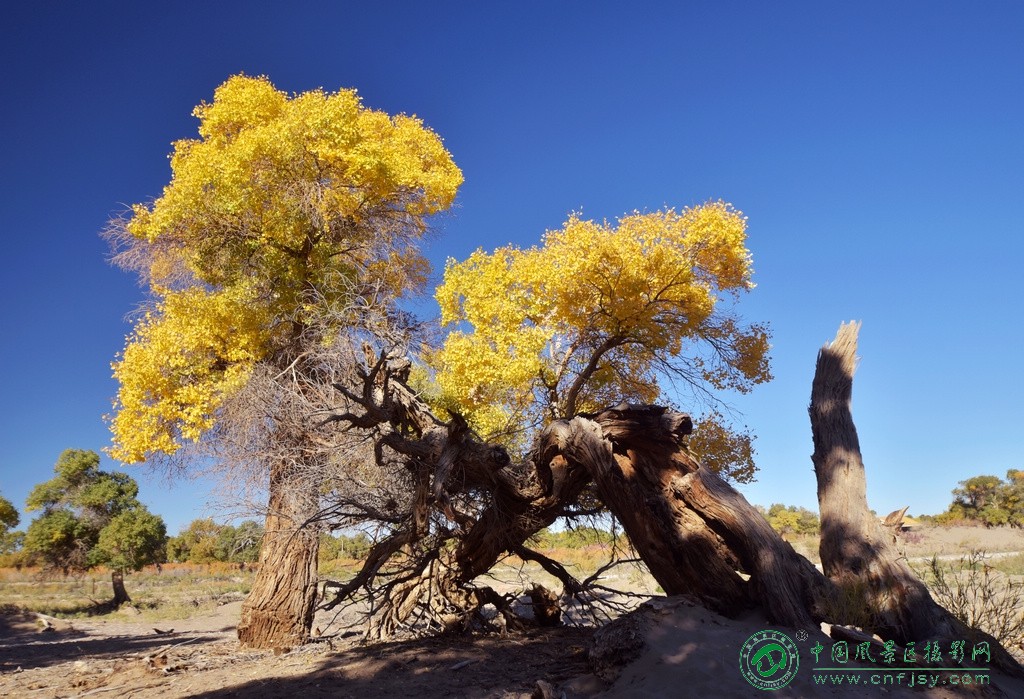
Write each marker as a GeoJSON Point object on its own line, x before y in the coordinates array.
{"type": "Point", "coordinates": [877, 148]}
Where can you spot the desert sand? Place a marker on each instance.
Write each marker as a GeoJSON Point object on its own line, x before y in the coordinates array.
{"type": "Point", "coordinates": [669, 648]}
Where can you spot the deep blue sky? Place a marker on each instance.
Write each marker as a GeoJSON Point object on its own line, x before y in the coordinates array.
{"type": "Point", "coordinates": [876, 147]}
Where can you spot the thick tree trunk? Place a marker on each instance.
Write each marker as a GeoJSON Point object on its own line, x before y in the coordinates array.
{"type": "Point", "coordinates": [120, 593]}
{"type": "Point", "coordinates": [278, 613]}
{"type": "Point", "coordinates": [857, 553]}
{"type": "Point", "coordinates": [632, 464]}
{"type": "Point", "coordinates": [694, 532]}
{"type": "Point", "coordinates": [517, 513]}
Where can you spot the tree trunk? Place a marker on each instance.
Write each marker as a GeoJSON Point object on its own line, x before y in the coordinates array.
{"type": "Point", "coordinates": [697, 535]}
{"type": "Point", "coordinates": [693, 530]}
{"type": "Point", "coordinates": [632, 464]}
{"type": "Point", "coordinates": [120, 593]}
{"type": "Point", "coordinates": [278, 613]}
{"type": "Point", "coordinates": [857, 553]}
{"type": "Point", "coordinates": [518, 513]}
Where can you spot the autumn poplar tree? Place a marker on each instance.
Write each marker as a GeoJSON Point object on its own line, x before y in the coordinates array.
{"type": "Point", "coordinates": [600, 313]}
{"type": "Point", "coordinates": [283, 218]}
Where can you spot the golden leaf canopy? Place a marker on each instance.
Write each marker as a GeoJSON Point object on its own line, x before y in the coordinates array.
{"type": "Point", "coordinates": [282, 210]}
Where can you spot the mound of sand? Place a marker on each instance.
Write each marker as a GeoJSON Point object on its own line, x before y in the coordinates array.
{"type": "Point", "coordinates": [673, 647]}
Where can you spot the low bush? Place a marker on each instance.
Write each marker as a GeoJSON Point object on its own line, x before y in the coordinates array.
{"type": "Point", "coordinates": [980, 596]}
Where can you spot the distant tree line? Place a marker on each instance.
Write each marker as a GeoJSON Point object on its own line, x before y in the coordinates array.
{"type": "Point", "coordinates": [574, 538]}
{"type": "Point", "coordinates": [987, 500]}
{"type": "Point", "coordinates": [335, 547]}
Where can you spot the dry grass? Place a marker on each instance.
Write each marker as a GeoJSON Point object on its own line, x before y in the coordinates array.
{"type": "Point", "coordinates": [806, 545]}
{"type": "Point", "coordinates": [926, 542]}
{"type": "Point", "coordinates": [1010, 565]}
{"type": "Point", "coordinates": [581, 563]}
{"type": "Point", "coordinates": [980, 596]}
{"type": "Point", "coordinates": [176, 592]}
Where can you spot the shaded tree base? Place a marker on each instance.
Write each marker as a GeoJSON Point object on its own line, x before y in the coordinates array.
{"type": "Point", "coordinates": [278, 612]}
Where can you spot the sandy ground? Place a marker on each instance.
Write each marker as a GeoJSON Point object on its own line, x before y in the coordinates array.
{"type": "Point", "coordinates": [953, 541]}
{"type": "Point", "coordinates": [691, 652]}
{"type": "Point", "coordinates": [201, 658]}
{"type": "Point", "coordinates": [670, 648]}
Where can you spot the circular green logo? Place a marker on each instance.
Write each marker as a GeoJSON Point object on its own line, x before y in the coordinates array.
{"type": "Point", "coordinates": [769, 660]}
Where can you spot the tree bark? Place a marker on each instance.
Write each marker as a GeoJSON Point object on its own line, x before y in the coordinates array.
{"type": "Point", "coordinates": [857, 553]}
{"type": "Point", "coordinates": [632, 465]}
{"type": "Point", "coordinates": [278, 613]}
{"type": "Point", "coordinates": [517, 513]}
{"type": "Point", "coordinates": [694, 531]}
{"type": "Point", "coordinates": [120, 593]}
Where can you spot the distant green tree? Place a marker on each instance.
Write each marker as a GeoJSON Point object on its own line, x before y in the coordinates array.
{"type": "Point", "coordinates": [331, 548]}
{"type": "Point", "coordinates": [131, 540]}
{"type": "Point", "coordinates": [240, 544]}
{"type": "Point", "coordinates": [1013, 497]}
{"type": "Point", "coordinates": [978, 492]}
{"type": "Point", "coordinates": [205, 541]}
{"type": "Point", "coordinates": [994, 515]}
{"type": "Point", "coordinates": [91, 517]}
{"type": "Point", "coordinates": [808, 522]}
{"type": "Point", "coordinates": [356, 546]}
{"type": "Point", "coordinates": [336, 546]}
{"type": "Point", "coordinates": [59, 540]}
{"type": "Point", "coordinates": [10, 541]}
{"type": "Point", "coordinates": [12, 550]}
{"type": "Point", "coordinates": [573, 538]}
{"type": "Point", "coordinates": [197, 543]}
{"type": "Point", "coordinates": [175, 551]}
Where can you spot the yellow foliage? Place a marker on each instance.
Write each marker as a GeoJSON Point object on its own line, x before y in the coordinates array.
{"type": "Point", "coordinates": [728, 452]}
{"type": "Point", "coordinates": [182, 359]}
{"type": "Point", "coordinates": [283, 209]}
{"type": "Point", "coordinates": [596, 315]}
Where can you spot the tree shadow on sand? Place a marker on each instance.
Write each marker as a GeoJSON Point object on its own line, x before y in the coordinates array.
{"type": "Point", "coordinates": [463, 666]}
{"type": "Point", "coordinates": [28, 649]}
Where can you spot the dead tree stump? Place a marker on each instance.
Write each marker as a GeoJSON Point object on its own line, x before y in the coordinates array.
{"type": "Point", "coordinates": [857, 553]}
